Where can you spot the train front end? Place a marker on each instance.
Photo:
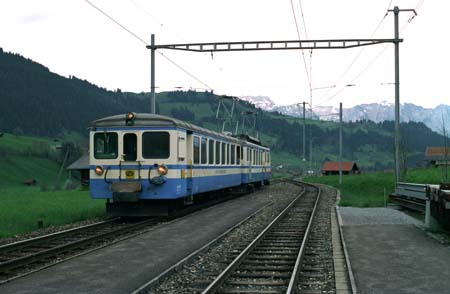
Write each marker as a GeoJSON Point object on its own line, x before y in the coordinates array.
{"type": "Point", "coordinates": [134, 164]}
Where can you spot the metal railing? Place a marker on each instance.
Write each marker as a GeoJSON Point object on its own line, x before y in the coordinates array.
{"type": "Point", "coordinates": [415, 191]}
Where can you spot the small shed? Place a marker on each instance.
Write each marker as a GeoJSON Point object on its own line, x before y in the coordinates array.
{"type": "Point", "coordinates": [81, 165]}
{"type": "Point", "coordinates": [435, 156]}
{"type": "Point", "coordinates": [332, 168]}
{"type": "Point", "coordinates": [30, 182]}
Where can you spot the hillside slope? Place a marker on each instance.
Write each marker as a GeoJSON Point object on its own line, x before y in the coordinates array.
{"type": "Point", "coordinates": [42, 103]}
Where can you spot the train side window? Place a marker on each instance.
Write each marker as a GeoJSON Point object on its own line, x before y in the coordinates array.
{"type": "Point", "coordinates": [203, 151]}
{"type": "Point", "coordinates": [155, 145]}
{"type": "Point", "coordinates": [211, 151]}
{"type": "Point", "coordinates": [196, 149]}
{"type": "Point", "coordinates": [254, 156]}
{"type": "Point", "coordinates": [105, 145]}
{"type": "Point", "coordinates": [228, 153]}
{"type": "Point", "coordinates": [238, 154]}
{"type": "Point", "coordinates": [223, 153]}
{"type": "Point", "coordinates": [129, 147]}
{"type": "Point", "coordinates": [217, 152]}
{"type": "Point", "coordinates": [233, 154]}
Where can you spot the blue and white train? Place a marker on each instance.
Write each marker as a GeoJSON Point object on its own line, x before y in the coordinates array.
{"type": "Point", "coordinates": [148, 164]}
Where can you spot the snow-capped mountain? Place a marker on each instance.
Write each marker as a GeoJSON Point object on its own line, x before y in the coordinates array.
{"type": "Point", "coordinates": [262, 102]}
{"type": "Point", "coordinates": [377, 112]}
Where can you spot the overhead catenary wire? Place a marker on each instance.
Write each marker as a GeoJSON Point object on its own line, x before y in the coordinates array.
{"type": "Point", "coordinates": [372, 61]}
{"type": "Point", "coordinates": [144, 42]}
{"type": "Point", "coordinates": [303, 53]}
{"type": "Point", "coordinates": [172, 31]}
{"type": "Point", "coordinates": [347, 69]}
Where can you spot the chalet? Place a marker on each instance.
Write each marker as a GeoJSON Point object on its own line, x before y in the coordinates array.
{"type": "Point", "coordinates": [332, 168]}
{"type": "Point", "coordinates": [435, 156]}
{"type": "Point", "coordinates": [81, 166]}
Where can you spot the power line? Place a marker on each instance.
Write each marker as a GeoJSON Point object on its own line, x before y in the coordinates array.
{"type": "Point", "coordinates": [358, 54]}
{"type": "Point", "coordinates": [116, 22]}
{"type": "Point", "coordinates": [143, 41]}
{"type": "Point", "coordinates": [303, 18]}
{"type": "Point", "coordinates": [374, 59]}
{"type": "Point", "coordinates": [185, 71]}
{"type": "Point", "coordinates": [299, 38]}
{"type": "Point", "coordinates": [172, 31]}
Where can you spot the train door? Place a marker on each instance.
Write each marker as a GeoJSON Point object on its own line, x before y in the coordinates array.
{"type": "Point", "coordinates": [189, 164]}
{"type": "Point", "coordinates": [127, 165]}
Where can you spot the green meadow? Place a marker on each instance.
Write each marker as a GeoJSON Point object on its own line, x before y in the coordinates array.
{"type": "Point", "coordinates": [22, 208]}
{"type": "Point", "coordinates": [373, 189]}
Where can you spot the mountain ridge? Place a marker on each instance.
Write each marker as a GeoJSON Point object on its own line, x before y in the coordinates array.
{"type": "Point", "coordinates": [376, 112]}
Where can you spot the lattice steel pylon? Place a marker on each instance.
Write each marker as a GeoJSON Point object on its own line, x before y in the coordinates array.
{"type": "Point", "coordinates": [227, 112]}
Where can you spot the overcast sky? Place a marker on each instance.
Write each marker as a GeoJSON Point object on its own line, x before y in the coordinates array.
{"type": "Point", "coordinates": [73, 38]}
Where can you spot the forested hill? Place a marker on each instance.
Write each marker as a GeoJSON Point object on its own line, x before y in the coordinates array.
{"type": "Point", "coordinates": [37, 102]}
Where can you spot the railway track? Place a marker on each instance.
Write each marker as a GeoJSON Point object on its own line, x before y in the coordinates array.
{"type": "Point", "coordinates": [271, 263]}
{"type": "Point", "coordinates": [21, 258]}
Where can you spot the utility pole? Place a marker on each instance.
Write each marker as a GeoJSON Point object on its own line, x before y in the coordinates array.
{"type": "Point", "coordinates": [397, 41]}
{"type": "Point", "coordinates": [340, 143]}
{"type": "Point", "coordinates": [152, 75]}
{"type": "Point", "coordinates": [304, 131]}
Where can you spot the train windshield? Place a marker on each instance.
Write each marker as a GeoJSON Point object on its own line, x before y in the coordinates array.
{"type": "Point", "coordinates": [155, 145]}
{"type": "Point", "coordinates": [105, 145]}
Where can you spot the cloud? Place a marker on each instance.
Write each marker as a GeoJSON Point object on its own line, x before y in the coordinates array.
{"type": "Point", "coordinates": [33, 18]}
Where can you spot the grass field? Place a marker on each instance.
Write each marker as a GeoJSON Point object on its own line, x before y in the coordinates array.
{"type": "Point", "coordinates": [15, 169]}
{"type": "Point", "coordinates": [22, 208]}
{"type": "Point", "coordinates": [371, 189]}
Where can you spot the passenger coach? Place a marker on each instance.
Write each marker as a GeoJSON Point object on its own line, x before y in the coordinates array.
{"type": "Point", "coordinates": [147, 164]}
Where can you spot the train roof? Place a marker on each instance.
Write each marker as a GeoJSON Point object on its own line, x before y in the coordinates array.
{"type": "Point", "coordinates": [157, 120]}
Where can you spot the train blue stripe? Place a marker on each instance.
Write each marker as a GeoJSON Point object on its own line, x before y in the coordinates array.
{"type": "Point", "coordinates": [146, 167]}
{"type": "Point", "coordinates": [177, 188]}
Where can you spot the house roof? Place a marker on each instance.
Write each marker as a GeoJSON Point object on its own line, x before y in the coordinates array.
{"type": "Point", "coordinates": [81, 163]}
{"type": "Point", "coordinates": [436, 151]}
{"type": "Point", "coordinates": [334, 166]}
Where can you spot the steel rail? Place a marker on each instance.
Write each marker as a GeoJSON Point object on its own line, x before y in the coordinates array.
{"type": "Point", "coordinates": [225, 274]}
{"type": "Point", "coordinates": [57, 235]}
{"type": "Point", "coordinates": [294, 277]}
{"type": "Point", "coordinates": [6, 267]}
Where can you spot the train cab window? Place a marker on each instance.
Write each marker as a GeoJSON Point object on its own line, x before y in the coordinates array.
{"type": "Point", "coordinates": [129, 147]}
{"type": "Point", "coordinates": [155, 145]}
{"type": "Point", "coordinates": [217, 152]}
{"type": "Point", "coordinates": [233, 154]}
{"type": "Point", "coordinates": [223, 153]}
{"type": "Point", "coordinates": [238, 154]}
{"type": "Point", "coordinates": [203, 151]}
{"type": "Point", "coordinates": [105, 145]}
{"type": "Point", "coordinates": [211, 151]}
{"type": "Point", "coordinates": [196, 149]}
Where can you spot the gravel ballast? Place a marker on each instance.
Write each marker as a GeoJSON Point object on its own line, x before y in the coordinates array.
{"type": "Point", "coordinates": [193, 275]}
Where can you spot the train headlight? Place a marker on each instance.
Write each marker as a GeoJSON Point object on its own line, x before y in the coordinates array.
{"type": "Point", "coordinates": [162, 170]}
{"type": "Point", "coordinates": [129, 118]}
{"type": "Point", "coordinates": [99, 170]}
